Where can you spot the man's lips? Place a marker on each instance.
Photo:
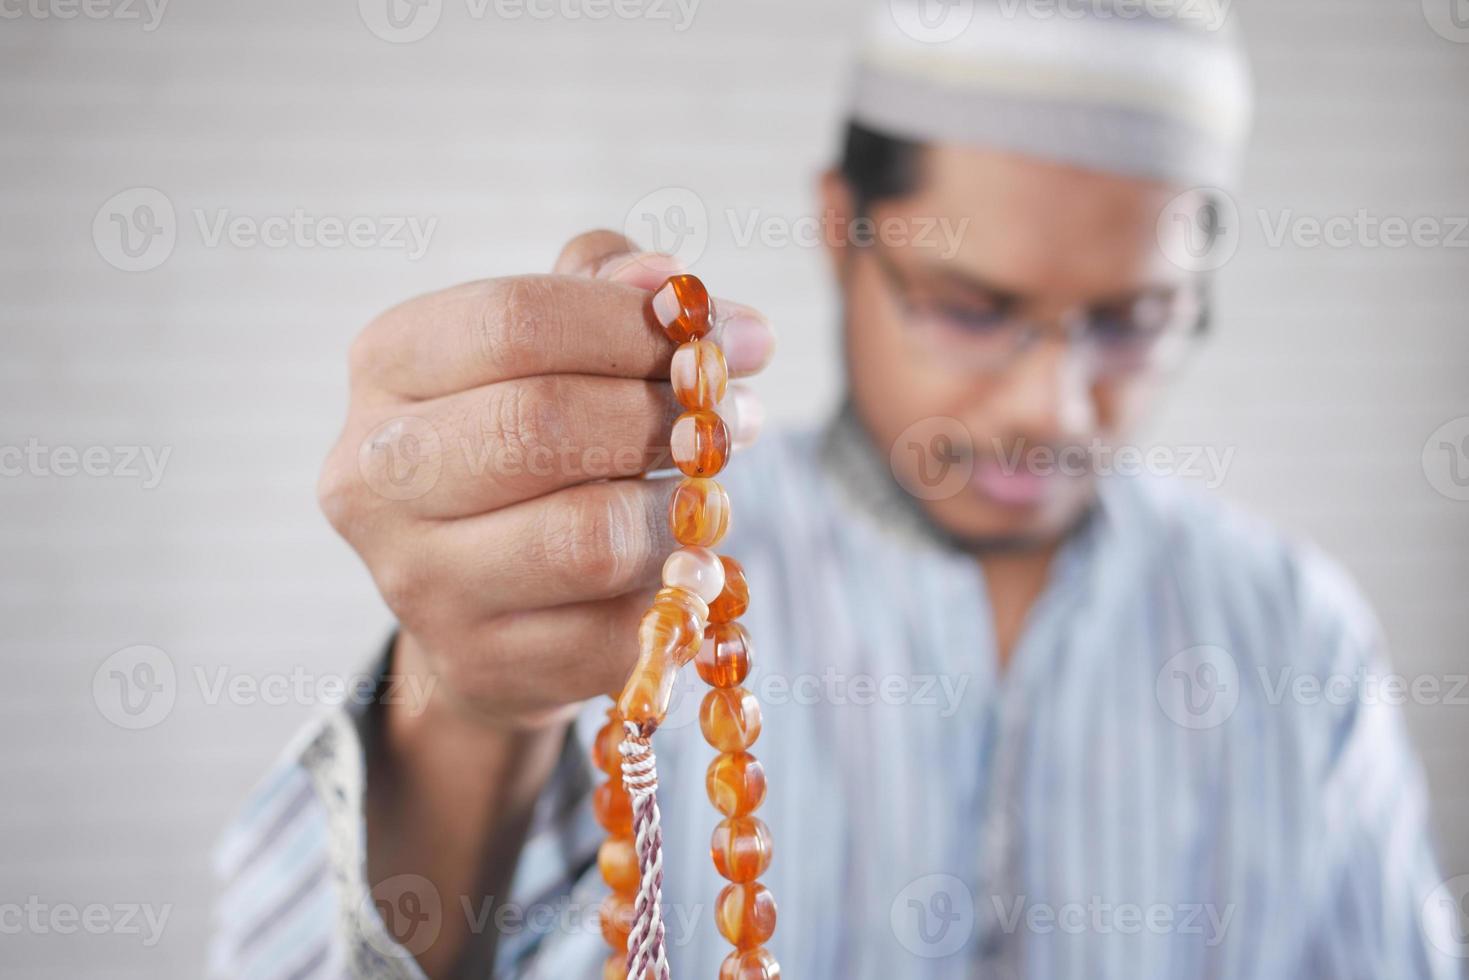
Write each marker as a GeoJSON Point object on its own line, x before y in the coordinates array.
{"type": "Point", "coordinates": [1011, 486]}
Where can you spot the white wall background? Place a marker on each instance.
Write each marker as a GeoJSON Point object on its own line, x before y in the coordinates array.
{"type": "Point", "coordinates": [1330, 369]}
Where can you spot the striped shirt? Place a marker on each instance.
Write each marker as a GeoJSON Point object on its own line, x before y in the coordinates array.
{"type": "Point", "coordinates": [1183, 771]}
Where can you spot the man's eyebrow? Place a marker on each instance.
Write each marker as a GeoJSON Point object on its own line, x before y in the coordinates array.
{"type": "Point", "coordinates": [970, 282]}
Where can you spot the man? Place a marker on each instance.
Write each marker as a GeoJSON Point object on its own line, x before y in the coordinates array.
{"type": "Point", "coordinates": [1015, 721]}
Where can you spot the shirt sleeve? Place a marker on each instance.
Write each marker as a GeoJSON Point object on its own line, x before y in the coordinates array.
{"type": "Point", "coordinates": [1380, 908]}
{"type": "Point", "coordinates": [295, 902]}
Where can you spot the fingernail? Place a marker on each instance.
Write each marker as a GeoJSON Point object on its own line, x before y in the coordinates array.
{"type": "Point", "coordinates": [747, 340]}
{"type": "Point", "coordinates": [643, 269]}
{"type": "Point", "coordinates": [749, 413]}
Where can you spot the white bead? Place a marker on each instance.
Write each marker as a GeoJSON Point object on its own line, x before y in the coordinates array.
{"type": "Point", "coordinates": [698, 570]}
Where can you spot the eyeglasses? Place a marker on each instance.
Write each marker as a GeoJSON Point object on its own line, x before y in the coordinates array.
{"type": "Point", "coordinates": [980, 332]}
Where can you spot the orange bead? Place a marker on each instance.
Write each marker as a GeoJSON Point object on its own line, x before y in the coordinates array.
{"type": "Point", "coordinates": [699, 374]}
{"type": "Point", "coordinates": [699, 443]}
{"type": "Point", "coordinates": [616, 967]}
{"type": "Point", "coordinates": [613, 808]}
{"type": "Point", "coordinates": [734, 598]}
{"type": "Point", "coordinates": [730, 719]}
{"type": "Point", "coordinates": [741, 848]}
{"type": "Point", "coordinates": [735, 782]}
{"type": "Point", "coordinates": [724, 656]}
{"type": "Point", "coordinates": [618, 861]}
{"type": "Point", "coordinates": [749, 964]}
{"type": "Point", "coordinates": [616, 920]}
{"type": "Point", "coordinates": [682, 309]}
{"type": "Point", "coordinates": [699, 513]}
{"type": "Point", "coordinates": [605, 755]}
{"type": "Point", "coordinates": [745, 914]}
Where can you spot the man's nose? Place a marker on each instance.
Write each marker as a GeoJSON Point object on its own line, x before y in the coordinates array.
{"type": "Point", "coordinates": [1046, 394]}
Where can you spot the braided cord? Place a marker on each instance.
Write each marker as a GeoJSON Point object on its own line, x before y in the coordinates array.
{"type": "Point", "coordinates": [645, 943]}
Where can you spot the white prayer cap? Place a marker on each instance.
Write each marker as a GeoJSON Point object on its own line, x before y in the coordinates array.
{"type": "Point", "coordinates": [1158, 89]}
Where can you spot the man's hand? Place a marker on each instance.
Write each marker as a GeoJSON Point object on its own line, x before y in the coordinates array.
{"type": "Point", "coordinates": [488, 474]}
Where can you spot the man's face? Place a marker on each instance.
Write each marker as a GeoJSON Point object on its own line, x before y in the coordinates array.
{"type": "Point", "coordinates": [932, 322]}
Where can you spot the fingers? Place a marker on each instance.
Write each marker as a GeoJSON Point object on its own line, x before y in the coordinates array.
{"type": "Point", "coordinates": [586, 544]}
{"type": "Point", "coordinates": [512, 441]}
{"type": "Point", "coordinates": [542, 659]}
{"type": "Point", "coordinates": [516, 440]}
{"type": "Point", "coordinates": [589, 251]}
{"type": "Point", "coordinates": [501, 329]}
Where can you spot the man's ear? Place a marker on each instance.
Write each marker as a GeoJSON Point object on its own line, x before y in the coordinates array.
{"type": "Point", "coordinates": [837, 213]}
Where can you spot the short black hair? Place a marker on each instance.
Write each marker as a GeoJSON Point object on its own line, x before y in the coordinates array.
{"type": "Point", "coordinates": [878, 166]}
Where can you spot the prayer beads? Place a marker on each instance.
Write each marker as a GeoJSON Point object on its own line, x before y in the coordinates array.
{"type": "Point", "coordinates": [698, 513]}
{"type": "Point", "coordinates": [683, 310]}
{"type": "Point", "coordinates": [699, 443]}
{"type": "Point", "coordinates": [735, 782]}
{"type": "Point", "coordinates": [698, 374]}
{"type": "Point", "coordinates": [691, 618]}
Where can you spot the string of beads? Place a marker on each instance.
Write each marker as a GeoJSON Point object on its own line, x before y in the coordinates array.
{"type": "Point", "coordinates": [692, 618]}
